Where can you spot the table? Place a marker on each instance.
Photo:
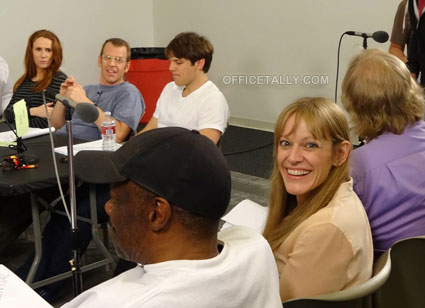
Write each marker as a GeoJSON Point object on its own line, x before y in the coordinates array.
{"type": "Point", "coordinates": [18, 182]}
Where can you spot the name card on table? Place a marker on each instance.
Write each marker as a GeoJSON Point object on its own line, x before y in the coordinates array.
{"type": "Point", "coordinates": [21, 117]}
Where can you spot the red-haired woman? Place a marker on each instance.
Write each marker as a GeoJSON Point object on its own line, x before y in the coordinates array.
{"type": "Point", "coordinates": [43, 58]}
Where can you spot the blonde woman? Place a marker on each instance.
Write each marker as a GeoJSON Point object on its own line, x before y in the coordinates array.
{"type": "Point", "coordinates": [317, 226]}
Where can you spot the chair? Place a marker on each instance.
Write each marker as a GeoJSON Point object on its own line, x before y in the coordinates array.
{"type": "Point", "coordinates": [358, 296]}
{"type": "Point", "coordinates": [406, 285]}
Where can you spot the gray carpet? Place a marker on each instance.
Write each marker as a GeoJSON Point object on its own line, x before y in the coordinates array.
{"type": "Point", "coordinates": [248, 151]}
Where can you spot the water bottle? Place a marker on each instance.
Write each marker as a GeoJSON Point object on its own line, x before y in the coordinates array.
{"type": "Point", "coordinates": [108, 132]}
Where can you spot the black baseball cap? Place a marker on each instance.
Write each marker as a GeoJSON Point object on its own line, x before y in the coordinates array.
{"type": "Point", "coordinates": [182, 166]}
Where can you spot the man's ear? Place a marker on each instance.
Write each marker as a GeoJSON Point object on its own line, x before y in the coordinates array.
{"type": "Point", "coordinates": [99, 61]}
{"type": "Point", "coordinates": [127, 66]}
{"type": "Point", "coordinates": [342, 151]}
{"type": "Point", "coordinates": [160, 214]}
{"type": "Point", "coordinates": [200, 64]}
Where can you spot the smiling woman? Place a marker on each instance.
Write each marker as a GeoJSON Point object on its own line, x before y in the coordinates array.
{"type": "Point", "coordinates": [43, 58]}
{"type": "Point", "coordinates": [303, 160]}
{"type": "Point", "coordinates": [317, 226]}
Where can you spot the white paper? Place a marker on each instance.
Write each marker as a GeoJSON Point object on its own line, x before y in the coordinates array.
{"type": "Point", "coordinates": [247, 213]}
{"type": "Point", "coordinates": [86, 146]}
{"type": "Point", "coordinates": [15, 293]}
{"type": "Point", "coordinates": [9, 136]}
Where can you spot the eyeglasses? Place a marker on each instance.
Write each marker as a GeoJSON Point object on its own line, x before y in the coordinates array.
{"type": "Point", "coordinates": [118, 60]}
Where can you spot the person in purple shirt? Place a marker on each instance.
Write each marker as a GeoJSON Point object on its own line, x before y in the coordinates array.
{"type": "Point", "coordinates": [386, 106]}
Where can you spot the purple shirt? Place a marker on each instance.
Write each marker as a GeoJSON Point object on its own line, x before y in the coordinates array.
{"type": "Point", "coordinates": [389, 178]}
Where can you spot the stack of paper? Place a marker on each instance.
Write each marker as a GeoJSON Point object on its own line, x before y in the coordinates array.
{"type": "Point", "coordinates": [16, 293]}
{"type": "Point", "coordinates": [9, 136]}
{"type": "Point", "coordinates": [87, 146]}
{"type": "Point", "coordinates": [247, 213]}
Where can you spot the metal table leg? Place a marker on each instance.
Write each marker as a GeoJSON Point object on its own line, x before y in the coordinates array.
{"type": "Point", "coordinates": [108, 259]}
{"type": "Point", "coordinates": [94, 226]}
{"type": "Point", "coordinates": [37, 238]}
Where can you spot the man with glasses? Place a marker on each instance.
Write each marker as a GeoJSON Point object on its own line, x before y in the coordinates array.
{"type": "Point", "coordinates": [113, 94]}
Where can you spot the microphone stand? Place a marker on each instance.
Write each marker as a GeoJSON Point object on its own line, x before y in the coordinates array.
{"type": "Point", "coordinates": [77, 282]}
{"type": "Point", "coordinates": [20, 147]}
{"type": "Point", "coordinates": [364, 35]}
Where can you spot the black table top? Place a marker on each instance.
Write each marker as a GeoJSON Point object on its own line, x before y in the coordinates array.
{"type": "Point", "coordinates": [17, 182]}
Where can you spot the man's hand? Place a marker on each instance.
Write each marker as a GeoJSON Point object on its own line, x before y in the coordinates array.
{"type": "Point", "coordinates": [74, 91]}
{"type": "Point", "coordinates": [77, 94]}
{"type": "Point", "coordinates": [69, 82]}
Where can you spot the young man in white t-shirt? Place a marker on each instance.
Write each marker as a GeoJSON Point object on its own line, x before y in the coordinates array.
{"type": "Point", "coordinates": [191, 100]}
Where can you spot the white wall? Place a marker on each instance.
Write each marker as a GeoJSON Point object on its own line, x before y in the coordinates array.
{"type": "Point", "coordinates": [280, 38]}
{"type": "Point", "coordinates": [82, 26]}
{"type": "Point", "coordinates": [273, 37]}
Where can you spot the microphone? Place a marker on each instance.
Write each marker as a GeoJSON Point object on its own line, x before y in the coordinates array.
{"type": "Point", "coordinates": [87, 112]}
{"type": "Point", "coordinates": [378, 36]}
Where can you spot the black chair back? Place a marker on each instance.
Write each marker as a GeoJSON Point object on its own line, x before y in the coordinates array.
{"type": "Point", "coordinates": [405, 287]}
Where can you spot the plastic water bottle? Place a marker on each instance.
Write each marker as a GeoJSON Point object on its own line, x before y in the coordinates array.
{"type": "Point", "coordinates": [108, 132]}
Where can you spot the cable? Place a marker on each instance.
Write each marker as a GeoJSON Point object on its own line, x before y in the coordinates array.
{"type": "Point", "coordinates": [337, 68]}
{"type": "Point", "coordinates": [54, 158]}
{"type": "Point", "coordinates": [249, 150]}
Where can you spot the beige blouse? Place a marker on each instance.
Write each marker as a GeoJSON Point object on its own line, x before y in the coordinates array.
{"type": "Point", "coordinates": [330, 251]}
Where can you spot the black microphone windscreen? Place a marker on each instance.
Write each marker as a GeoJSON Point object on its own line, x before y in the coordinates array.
{"type": "Point", "coordinates": [380, 36]}
{"type": "Point", "coordinates": [87, 112]}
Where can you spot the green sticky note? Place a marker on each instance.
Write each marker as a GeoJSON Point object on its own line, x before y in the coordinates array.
{"type": "Point", "coordinates": [21, 117]}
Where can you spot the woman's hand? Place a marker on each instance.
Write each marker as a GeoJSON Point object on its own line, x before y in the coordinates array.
{"type": "Point", "coordinates": [41, 112]}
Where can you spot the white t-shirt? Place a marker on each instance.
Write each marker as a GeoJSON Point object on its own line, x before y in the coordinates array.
{"type": "Point", "coordinates": [244, 275]}
{"type": "Point", "coordinates": [204, 108]}
{"type": "Point", "coordinates": [5, 86]}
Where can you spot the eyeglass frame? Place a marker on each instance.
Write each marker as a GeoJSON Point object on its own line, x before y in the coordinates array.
{"type": "Point", "coordinates": [117, 59]}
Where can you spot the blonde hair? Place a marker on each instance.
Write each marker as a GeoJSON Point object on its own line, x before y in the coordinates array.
{"type": "Point", "coordinates": [325, 120]}
{"type": "Point", "coordinates": [380, 95]}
